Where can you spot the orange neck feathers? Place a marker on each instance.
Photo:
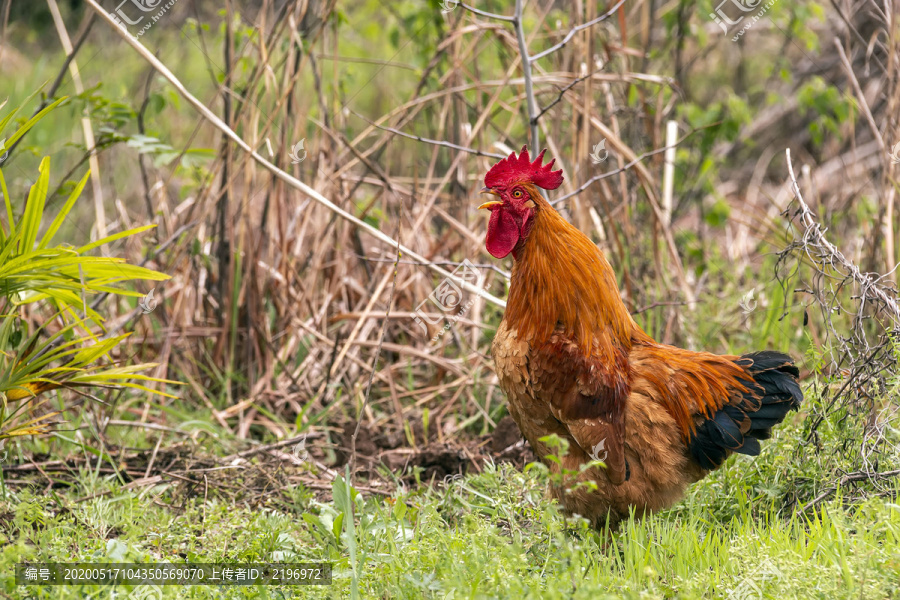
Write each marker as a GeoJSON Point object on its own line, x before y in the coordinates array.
{"type": "Point", "coordinates": [561, 278]}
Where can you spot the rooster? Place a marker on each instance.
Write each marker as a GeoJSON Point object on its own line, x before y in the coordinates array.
{"type": "Point", "coordinates": [573, 362]}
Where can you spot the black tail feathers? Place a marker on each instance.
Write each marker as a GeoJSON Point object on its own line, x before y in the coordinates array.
{"type": "Point", "coordinates": [749, 417]}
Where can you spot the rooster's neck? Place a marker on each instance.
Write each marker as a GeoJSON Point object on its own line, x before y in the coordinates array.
{"type": "Point", "coordinates": [561, 279]}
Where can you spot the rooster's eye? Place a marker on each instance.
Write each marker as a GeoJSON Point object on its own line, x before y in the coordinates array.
{"type": "Point", "coordinates": [517, 194]}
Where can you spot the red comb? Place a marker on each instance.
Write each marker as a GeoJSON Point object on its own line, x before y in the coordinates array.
{"type": "Point", "coordinates": [520, 169]}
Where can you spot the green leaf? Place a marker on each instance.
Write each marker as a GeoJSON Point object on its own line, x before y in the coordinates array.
{"type": "Point", "coordinates": [30, 122]}
{"type": "Point", "coordinates": [34, 208]}
{"type": "Point", "coordinates": [116, 236]}
{"type": "Point", "coordinates": [64, 212]}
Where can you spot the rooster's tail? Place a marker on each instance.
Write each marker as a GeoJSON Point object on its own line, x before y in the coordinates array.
{"type": "Point", "coordinates": [739, 425]}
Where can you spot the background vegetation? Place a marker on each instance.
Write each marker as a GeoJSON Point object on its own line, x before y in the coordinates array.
{"type": "Point", "coordinates": [294, 329]}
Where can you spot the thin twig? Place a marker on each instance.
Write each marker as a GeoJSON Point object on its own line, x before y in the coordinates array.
{"type": "Point", "coordinates": [487, 14]}
{"type": "Point", "coordinates": [269, 447]}
{"type": "Point", "coordinates": [859, 476]}
{"type": "Point", "coordinates": [526, 73]}
{"type": "Point", "coordinates": [352, 462]}
{"type": "Point", "coordinates": [443, 263]}
{"type": "Point", "coordinates": [625, 167]}
{"type": "Point", "coordinates": [655, 305]}
{"type": "Point", "coordinates": [575, 30]}
{"type": "Point", "coordinates": [428, 141]}
{"type": "Point", "coordinates": [563, 91]}
{"type": "Point", "coordinates": [860, 96]}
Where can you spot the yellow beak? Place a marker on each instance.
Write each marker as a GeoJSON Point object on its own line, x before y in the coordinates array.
{"type": "Point", "coordinates": [492, 203]}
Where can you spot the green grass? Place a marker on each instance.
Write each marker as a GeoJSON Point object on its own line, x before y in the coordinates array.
{"type": "Point", "coordinates": [491, 535]}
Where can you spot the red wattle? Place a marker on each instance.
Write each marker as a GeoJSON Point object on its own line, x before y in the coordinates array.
{"type": "Point", "coordinates": [502, 234]}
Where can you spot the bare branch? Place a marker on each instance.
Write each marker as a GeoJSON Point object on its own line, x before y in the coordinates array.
{"type": "Point", "coordinates": [563, 91]}
{"type": "Point", "coordinates": [526, 73]}
{"type": "Point", "coordinates": [862, 364]}
{"type": "Point", "coordinates": [627, 166]}
{"type": "Point", "coordinates": [428, 141]}
{"type": "Point", "coordinates": [487, 14]}
{"type": "Point", "coordinates": [814, 241]}
{"type": "Point", "coordinates": [860, 476]}
{"type": "Point", "coordinates": [575, 30]}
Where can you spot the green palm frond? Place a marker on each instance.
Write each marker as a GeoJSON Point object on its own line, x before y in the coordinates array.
{"type": "Point", "coordinates": [32, 270]}
{"type": "Point", "coordinates": [44, 362]}
{"type": "Point", "coordinates": [36, 426]}
{"type": "Point", "coordinates": [68, 350]}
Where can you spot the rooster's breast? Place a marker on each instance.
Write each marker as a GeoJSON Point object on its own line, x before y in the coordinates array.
{"type": "Point", "coordinates": [531, 414]}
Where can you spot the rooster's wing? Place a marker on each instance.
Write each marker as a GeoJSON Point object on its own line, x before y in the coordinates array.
{"type": "Point", "coordinates": [587, 394]}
